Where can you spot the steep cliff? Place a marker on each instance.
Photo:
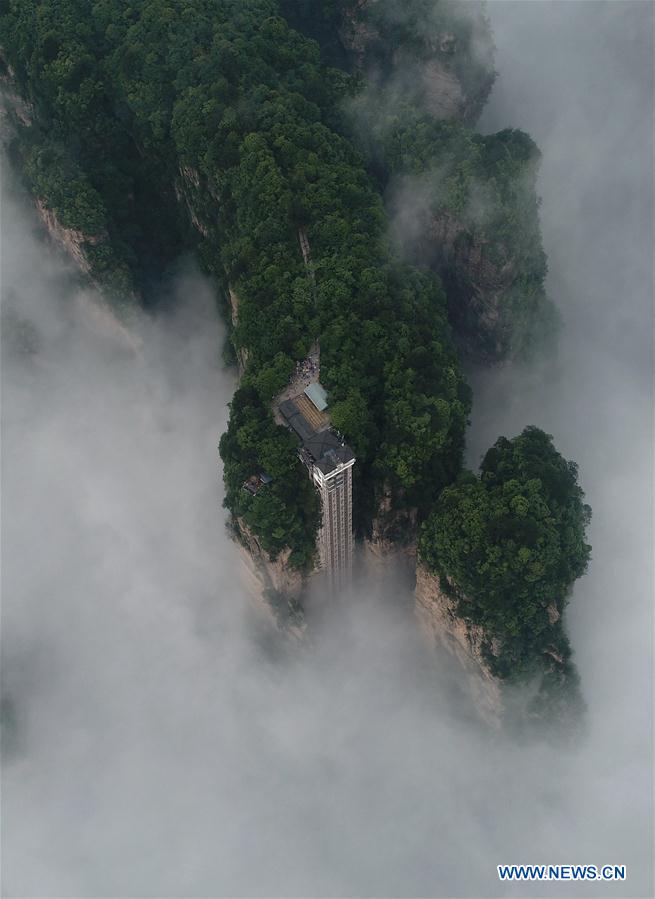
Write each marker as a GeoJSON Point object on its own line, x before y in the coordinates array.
{"type": "Point", "coordinates": [241, 352]}
{"type": "Point", "coordinates": [187, 187]}
{"type": "Point", "coordinates": [89, 249]}
{"type": "Point", "coordinates": [438, 55]}
{"type": "Point", "coordinates": [436, 611]}
{"type": "Point", "coordinates": [466, 204]}
{"type": "Point", "coordinates": [12, 104]}
{"type": "Point", "coordinates": [391, 542]}
{"type": "Point", "coordinates": [548, 696]}
{"type": "Point", "coordinates": [481, 277]}
{"type": "Point", "coordinates": [73, 241]}
{"type": "Point", "coordinates": [499, 555]}
{"type": "Point", "coordinates": [69, 208]}
{"type": "Point", "coordinates": [273, 584]}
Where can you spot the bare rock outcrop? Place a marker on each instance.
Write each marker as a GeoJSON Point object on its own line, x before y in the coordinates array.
{"type": "Point", "coordinates": [242, 352]}
{"type": "Point", "coordinates": [11, 102]}
{"type": "Point", "coordinates": [449, 75]}
{"type": "Point", "coordinates": [186, 187]}
{"type": "Point", "coordinates": [437, 85]}
{"type": "Point", "coordinates": [71, 240]}
{"type": "Point", "coordinates": [436, 612]}
{"type": "Point", "coordinates": [392, 542]}
{"type": "Point", "coordinates": [356, 34]}
{"type": "Point", "coordinates": [476, 288]}
{"type": "Point", "coordinates": [477, 273]}
{"type": "Point", "coordinates": [274, 585]}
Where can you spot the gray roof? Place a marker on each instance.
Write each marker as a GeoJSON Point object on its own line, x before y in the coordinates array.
{"type": "Point", "coordinates": [296, 420]}
{"type": "Point", "coordinates": [328, 451]}
{"type": "Point", "coordinates": [321, 448]}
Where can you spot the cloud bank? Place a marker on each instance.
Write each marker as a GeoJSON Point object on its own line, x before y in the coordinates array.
{"type": "Point", "coordinates": [166, 742]}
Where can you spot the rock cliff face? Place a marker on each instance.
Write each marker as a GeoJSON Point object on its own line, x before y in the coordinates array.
{"type": "Point", "coordinates": [186, 187]}
{"type": "Point", "coordinates": [242, 352]}
{"type": "Point", "coordinates": [11, 103]}
{"type": "Point", "coordinates": [392, 543]}
{"type": "Point", "coordinates": [72, 241]}
{"type": "Point", "coordinates": [481, 277]}
{"type": "Point", "coordinates": [550, 697]}
{"type": "Point", "coordinates": [476, 285]}
{"type": "Point", "coordinates": [435, 611]}
{"type": "Point", "coordinates": [449, 75]}
{"type": "Point", "coordinates": [16, 115]}
{"type": "Point", "coordinates": [13, 109]}
{"type": "Point", "coordinates": [355, 33]}
{"type": "Point", "coordinates": [273, 584]}
{"type": "Point", "coordinates": [443, 94]}
{"type": "Point", "coordinates": [193, 192]}
{"type": "Point", "coordinates": [74, 244]}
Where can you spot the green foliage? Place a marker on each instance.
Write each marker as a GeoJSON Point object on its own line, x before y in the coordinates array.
{"type": "Point", "coordinates": [65, 189]}
{"type": "Point", "coordinates": [287, 610]}
{"type": "Point", "coordinates": [510, 544]}
{"type": "Point", "coordinates": [271, 378]}
{"type": "Point", "coordinates": [481, 192]}
{"type": "Point", "coordinates": [231, 108]}
{"type": "Point", "coordinates": [83, 157]}
{"type": "Point", "coordinates": [285, 512]}
{"type": "Point", "coordinates": [222, 105]}
{"type": "Point", "coordinates": [150, 110]}
{"type": "Point", "coordinates": [403, 43]}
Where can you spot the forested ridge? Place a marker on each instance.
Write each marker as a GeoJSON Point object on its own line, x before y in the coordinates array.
{"type": "Point", "coordinates": [507, 545]}
{"type": "Point", "coordinates": [230, 95]}
{"type": "Point", "coordinates": [214, 125]}
{"type": "Point", "coordinates": [477, 192]}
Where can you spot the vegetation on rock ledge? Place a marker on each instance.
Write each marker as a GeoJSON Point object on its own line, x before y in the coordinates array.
{"type": "Point", "coordinates": [509, 545]}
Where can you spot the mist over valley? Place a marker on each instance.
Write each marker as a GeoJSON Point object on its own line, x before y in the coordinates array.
{"type": "Point", "coordinates": [162, 734]}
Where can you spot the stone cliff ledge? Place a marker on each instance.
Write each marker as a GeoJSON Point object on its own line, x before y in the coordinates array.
{"type": "Point", "coordinates": [444, 629]}
{"type": "Point", "coordinates": [273, 584]}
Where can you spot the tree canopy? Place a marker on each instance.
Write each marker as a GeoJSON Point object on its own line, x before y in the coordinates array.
{"type": "Point", "coordinates": [479, 193]}
{"type": "Point", "coordinates": [222, 105]}
{"type": "Point", "coordinates": [509, 544]}
{"type": "Point", "coordinates": [162, 125]}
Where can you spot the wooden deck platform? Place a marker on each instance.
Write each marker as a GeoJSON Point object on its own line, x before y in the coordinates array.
{"type": "Point", "coordinates": [318, 420]}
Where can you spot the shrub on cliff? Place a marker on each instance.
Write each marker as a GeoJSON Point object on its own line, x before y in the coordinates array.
{"type": "Point", "coordinates": [509, 545]}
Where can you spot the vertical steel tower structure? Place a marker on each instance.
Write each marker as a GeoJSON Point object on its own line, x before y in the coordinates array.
{"type": "Point", "coordinates": [329, 461]}
{"type": "Point", "coordinates": [332, 475]}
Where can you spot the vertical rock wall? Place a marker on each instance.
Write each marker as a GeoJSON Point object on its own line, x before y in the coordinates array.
{"type": "Point", "coordinates": [435, 611]}
{"type": "Point", "coordinates": [273, 584]}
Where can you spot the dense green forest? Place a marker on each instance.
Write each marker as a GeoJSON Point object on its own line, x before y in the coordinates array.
{"type": "Point", "coordinates": [508, 545]}
{"type": "Point", "coordinates": [227, 105]}
{"type": "Point", "coordinates": [471, 197]}
{"type": "Point", "coordinates": [394, 45]}
{"type": "Point", "coordinates": [163, 126]}
{"type": "Point", "coordinates": [475, 221]}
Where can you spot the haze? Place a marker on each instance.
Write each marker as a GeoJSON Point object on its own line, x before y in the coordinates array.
{"type": "Point", "coordinates": [167, 743]}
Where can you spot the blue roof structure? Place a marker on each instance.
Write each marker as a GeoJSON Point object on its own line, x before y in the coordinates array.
{"type": "Point", "coordinates": [317, 395]}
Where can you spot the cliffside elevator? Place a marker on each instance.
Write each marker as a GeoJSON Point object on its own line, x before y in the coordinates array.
{"type": "Point", "coordinates": [329, 462]}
